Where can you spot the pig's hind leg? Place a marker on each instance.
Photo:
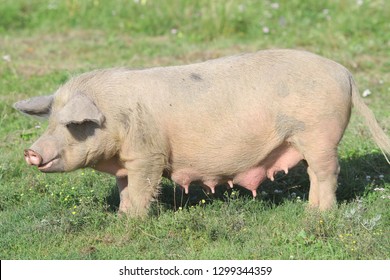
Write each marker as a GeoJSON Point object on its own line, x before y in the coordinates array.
{"type": "Point", "coordinates": [323, 169]}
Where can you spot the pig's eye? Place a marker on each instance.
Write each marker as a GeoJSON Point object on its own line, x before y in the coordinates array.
{"type": "Point", "coordinates": [81, 131]}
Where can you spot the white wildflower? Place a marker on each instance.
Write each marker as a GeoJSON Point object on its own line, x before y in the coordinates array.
{"type": "Point", "coordinates": [7, 58]}
{"type": "Point", "coordinates": [266, 29]}
{"type": "Point", "coordinates": [241, 8]}
{"type": "Point", "coordinates": [53, 5]}
{"type": "Point", "coordinates": [366, 92]}
{"type": "Point", "coordinates": [325, 12]}
{"type": "Point", "coordinates": [142, 2]}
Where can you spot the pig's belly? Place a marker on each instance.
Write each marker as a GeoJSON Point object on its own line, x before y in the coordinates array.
{"type": "Point", "coordinates": [282, 158]}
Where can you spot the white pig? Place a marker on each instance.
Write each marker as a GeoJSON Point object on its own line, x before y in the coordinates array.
{"type": "Point", "coordinates": [234, 120]}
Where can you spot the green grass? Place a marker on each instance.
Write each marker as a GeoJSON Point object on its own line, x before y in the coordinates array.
{"type": "Point", "coordinates": [73, 216]}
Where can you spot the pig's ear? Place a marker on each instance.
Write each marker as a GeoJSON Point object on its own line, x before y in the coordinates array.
{"type": "Point", "coordinates": [39, 106]}
{"type": "Point", "coordinates": [79, 109]}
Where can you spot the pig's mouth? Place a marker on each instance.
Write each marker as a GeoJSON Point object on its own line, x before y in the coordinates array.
{"type": "Point", "coordinates": [54, 164]}
{"type": "Point", "coordinates": [46, 167]}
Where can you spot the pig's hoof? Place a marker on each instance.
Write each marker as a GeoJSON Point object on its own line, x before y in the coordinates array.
{"type": "Point", "coordinates": [132, 212]}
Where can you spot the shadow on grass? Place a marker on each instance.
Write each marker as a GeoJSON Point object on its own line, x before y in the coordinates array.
{"type": "Point", "coordinates": [361, 174]}
{"type": "Point", "coordinates": [358, 176]}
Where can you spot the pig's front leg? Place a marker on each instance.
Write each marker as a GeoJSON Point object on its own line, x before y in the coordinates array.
{"type": "Point", "coordinates": [140, 187]}
{"type": "Point", "coordinates": [124, 204]}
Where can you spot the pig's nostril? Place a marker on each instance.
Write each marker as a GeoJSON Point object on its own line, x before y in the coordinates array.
{"type": "Point", "coordinates": [32, 157]}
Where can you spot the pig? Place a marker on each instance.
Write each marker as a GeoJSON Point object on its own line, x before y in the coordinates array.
{"type": "Point", "coordinates": [236, 120]}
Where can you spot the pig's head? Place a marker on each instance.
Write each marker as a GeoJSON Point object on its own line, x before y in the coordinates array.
{"type": "Point", "coordinates": [72, 137]}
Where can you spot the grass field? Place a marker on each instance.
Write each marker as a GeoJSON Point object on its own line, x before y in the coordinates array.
{"type": "Point", "coordinates": [73, 216]}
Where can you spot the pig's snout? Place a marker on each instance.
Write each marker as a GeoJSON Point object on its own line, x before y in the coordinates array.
{"type": "Point", "coordinates": [32, 157]}
{"type": "Point", "coordinates": [45, 156]}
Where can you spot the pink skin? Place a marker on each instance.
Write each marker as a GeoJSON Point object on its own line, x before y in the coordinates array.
{"type": "Point", "coordinates": [281, 159]}
{"type": "Point", "coordinates": [35, 159]}
{"type": "Point", "coordinates": [211, 184]}
{"type": "Point", "coordinates": [251, 179]}
{"type": "Point", "coordinates": [185, 177]}
{"type": "Point", "coordinates": [32, 157]}
{"type": "Point", "coordinates": [45, 154]}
